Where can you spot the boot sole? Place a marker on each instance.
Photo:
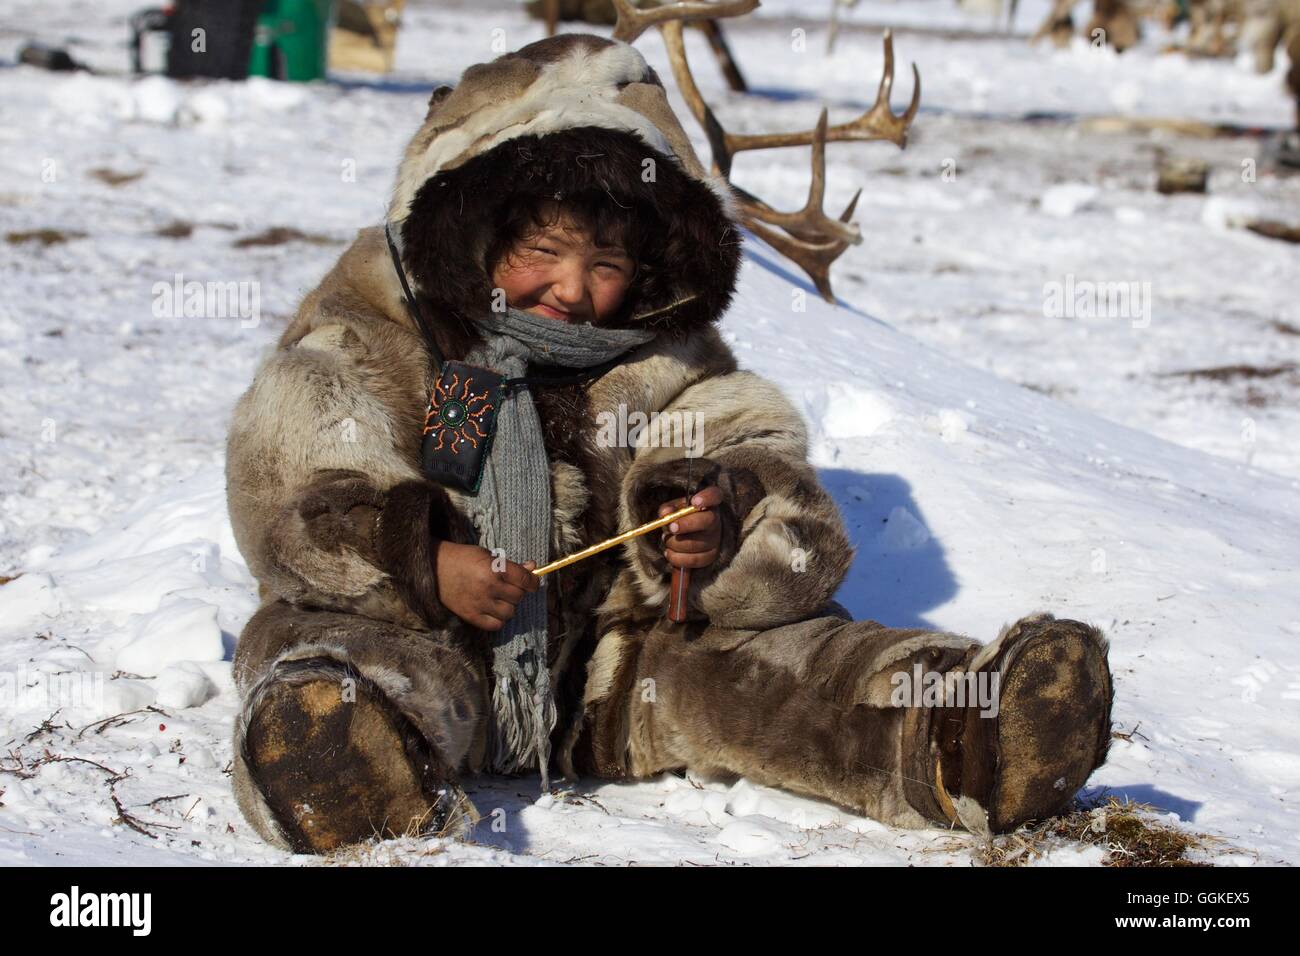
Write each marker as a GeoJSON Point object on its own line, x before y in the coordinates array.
{"type": "Point", "coordinates": [339, 763]}
{"type": "Point", "coordinates": [1053, 723]}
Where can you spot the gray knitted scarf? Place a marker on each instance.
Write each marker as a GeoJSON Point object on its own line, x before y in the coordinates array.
{"type": "Point", "coordinates": [512, 512]}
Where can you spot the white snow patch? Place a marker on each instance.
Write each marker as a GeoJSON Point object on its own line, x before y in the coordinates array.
{"type": "Point", "coordinates": [1067, 199]}
{"type": "Point", "coordinates": [903, 531]}
{"type": "Point", "coordinates": [183, 685]}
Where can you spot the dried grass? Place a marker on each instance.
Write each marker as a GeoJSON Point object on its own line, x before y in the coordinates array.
{"type": "Point", "coordinates": [1127, 832]}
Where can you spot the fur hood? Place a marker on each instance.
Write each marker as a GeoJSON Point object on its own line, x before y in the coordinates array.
{"type": "Point", "coordinates": [564, 116]}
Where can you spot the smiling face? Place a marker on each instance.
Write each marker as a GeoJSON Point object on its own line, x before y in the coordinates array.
{"type": "Point", "coordinates": [560, 271]}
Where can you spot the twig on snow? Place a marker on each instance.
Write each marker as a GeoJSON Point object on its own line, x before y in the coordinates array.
{"type": "Point", "coordinates": [118, 719]}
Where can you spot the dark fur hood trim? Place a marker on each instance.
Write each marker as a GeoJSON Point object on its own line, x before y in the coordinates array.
{"type": "Point", "coordinates": [454, 214]}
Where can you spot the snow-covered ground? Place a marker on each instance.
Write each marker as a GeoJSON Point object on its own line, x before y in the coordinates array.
{"type": "Point", "coordinates": [1116, 488]}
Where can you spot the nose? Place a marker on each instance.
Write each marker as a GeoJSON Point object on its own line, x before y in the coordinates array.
{"type": "Point", "coordinates": [568, 283]}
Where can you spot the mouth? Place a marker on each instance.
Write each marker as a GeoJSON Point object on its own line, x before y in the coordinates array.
{"type": "Point", "coordinates": [551, 313]}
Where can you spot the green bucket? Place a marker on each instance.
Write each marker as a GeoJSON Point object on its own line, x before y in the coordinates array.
{"type": "Point", "coordinates": [291, 41]}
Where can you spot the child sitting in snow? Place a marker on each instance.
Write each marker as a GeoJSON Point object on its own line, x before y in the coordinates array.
{"type": "Point", "coordinates": [552, 224]}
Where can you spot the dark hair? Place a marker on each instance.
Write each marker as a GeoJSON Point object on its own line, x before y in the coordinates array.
{"type": "Point", "coordinates": [597, 213]}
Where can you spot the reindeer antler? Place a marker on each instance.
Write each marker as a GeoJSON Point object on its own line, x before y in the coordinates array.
{"type": "Point", "coordinates": [808, 237]}
{"type": "Point", "coordinates": [633, 21]}
{"type": "Point", "coordinates": [810, 222]}
{"type": "Point", "coordinates": [877, 123]}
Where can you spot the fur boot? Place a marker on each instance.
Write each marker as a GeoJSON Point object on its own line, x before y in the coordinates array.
{"type": "Point", "coordinates": [994, 769]}
{"type": "Point", "coordinates": [352, 728]}
{"type": "Point", "coordinates": [337, 762]}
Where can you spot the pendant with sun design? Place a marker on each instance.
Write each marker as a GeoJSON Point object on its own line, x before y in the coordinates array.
{"type": "Point", "coordinates": [459, 424]}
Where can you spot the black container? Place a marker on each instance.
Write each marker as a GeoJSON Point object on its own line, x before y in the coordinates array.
{"type": "Point", "coordinates": [227, 38]}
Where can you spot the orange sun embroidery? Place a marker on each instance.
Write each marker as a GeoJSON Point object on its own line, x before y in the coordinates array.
{"type": "Point", "coordinates": [452, 413]}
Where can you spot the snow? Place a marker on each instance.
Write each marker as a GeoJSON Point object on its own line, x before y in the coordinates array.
{"type": "Point", "coordinates": [1066, 199]}
{"type": "Point", "coordinates": [991, 460]}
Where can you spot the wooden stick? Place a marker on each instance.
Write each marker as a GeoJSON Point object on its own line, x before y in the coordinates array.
{"type": "Point", "coordinates": [681, 583]}
{"type": "Point", "coordinates": [617, 540]}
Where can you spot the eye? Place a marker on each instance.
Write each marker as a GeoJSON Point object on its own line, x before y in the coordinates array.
{"type": "Point", "coordinates": [610, 265]}
{"type": "Point", "coordinates": [545, 250]}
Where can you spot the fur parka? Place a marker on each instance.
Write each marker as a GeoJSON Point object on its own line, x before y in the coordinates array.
{"type": "Point", "coordinates": [326, 496]}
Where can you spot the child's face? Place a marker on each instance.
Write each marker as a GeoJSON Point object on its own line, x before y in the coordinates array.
{"type": "Point", "coordinates": [560, 273]}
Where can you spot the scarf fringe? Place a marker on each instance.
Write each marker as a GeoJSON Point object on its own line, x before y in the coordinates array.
{"type": "Point", "coordinates": [522, 720]}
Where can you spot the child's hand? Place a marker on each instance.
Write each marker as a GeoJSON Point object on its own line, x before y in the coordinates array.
{"type": "Point", "coordinates": [478, 595]}
{"type": "Point", "coordinates": [694, 541]}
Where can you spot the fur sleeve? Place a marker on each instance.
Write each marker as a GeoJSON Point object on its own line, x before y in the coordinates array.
{"type": "Point", "coordinates": [325, 508]}
{"type": "Point", "coordinates": [789, 551]}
